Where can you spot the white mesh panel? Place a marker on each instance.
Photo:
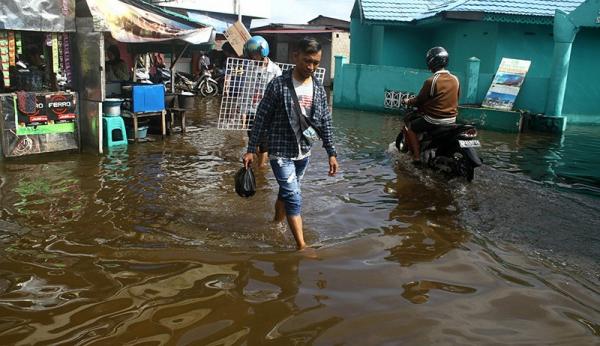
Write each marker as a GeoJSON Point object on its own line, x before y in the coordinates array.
{"type": "Point", "coordinates": [245, 83]}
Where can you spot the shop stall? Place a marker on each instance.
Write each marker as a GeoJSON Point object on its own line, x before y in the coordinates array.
{"type": "Point", "coordinates": [136, 24]}
{"type": "Point", "coordinates": [38, 98]}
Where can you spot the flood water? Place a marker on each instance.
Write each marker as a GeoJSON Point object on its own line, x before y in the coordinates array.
{"type": "Point", "coordinates": [151, 245]}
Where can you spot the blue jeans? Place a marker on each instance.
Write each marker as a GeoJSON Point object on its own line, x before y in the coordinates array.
{"type": "Point", "coordinates": [288, 173]}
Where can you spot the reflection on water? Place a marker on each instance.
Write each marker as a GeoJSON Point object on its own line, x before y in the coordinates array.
{"type": "Point", "coordinates": [569, 161]}
{"type": "Point", "coordinates": [151, 245]}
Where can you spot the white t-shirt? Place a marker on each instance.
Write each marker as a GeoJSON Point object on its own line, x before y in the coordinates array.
{"type": "Point", "coordinates": [305, 98]}
{"type": "Point", "coordinates": [273, 70]}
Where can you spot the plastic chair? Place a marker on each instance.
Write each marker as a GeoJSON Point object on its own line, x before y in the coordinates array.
{"type": "Point", "coordinates": [114, 131]}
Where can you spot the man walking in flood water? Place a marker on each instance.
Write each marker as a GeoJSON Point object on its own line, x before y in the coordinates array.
{"type": "Point", "coordinates": [293, 111]}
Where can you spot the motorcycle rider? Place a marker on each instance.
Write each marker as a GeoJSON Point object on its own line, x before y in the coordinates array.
{"type": "Point", "coordinates": [437, 102]}
{"type": "Point", "coordinates": [257, 48]}
{"type": "Point", "coordinates": [203, 63]}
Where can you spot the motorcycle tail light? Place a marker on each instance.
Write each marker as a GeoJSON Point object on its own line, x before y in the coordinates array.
{"type": "Point", "coordinates": [470, 133]}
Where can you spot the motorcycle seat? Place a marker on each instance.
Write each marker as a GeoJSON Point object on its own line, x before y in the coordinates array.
{"type": "Point", "coordinates": [444, 130]}
{"type": "Point", "coordinates": [185, 74]}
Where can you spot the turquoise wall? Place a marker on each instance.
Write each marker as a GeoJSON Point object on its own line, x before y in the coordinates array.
{"type": "Point", "coordinates": [583, 86]}
{"type": "Point", "coordinates": [378, 45]}
{"type": "Point", "coordinates": [360, 36]}
{"type": "Point", "coordinates": [405, 46]}
{"type": "Point", "coordinates": [363, 86]}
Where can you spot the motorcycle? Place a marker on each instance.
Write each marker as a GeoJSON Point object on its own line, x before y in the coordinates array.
{"type": "Point", "coordinates": [162, 76]}
{"type": "Point", "coordinates": [449, 149]}
{"type": "Point", "coordinates": [204, 85]}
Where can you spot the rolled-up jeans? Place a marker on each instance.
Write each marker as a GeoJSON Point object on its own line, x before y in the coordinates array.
{"type": "Point", "coordinates": [288, 173]}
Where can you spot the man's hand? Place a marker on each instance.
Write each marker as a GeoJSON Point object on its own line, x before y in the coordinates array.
{"type": "Point", "coordinates": [247, 159]}
{"type": "Point", "coordinates": [333, 166]}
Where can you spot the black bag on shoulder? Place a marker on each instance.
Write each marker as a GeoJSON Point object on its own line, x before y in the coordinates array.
{"type": "Point", "coordinates": [245, 183]}
{"type": "Point", "coordinates": [309, 132]}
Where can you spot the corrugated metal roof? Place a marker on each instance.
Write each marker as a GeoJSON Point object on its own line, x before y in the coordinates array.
{"type": "Point", "coordinates": [393, 10]}
{"type": "Point", "coordinates": [409, 10]}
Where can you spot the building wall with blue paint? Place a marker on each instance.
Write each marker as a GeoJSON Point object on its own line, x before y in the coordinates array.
{"type": "Point", "coordinates": [397, 49]}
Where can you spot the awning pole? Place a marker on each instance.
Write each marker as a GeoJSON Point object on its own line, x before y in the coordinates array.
{"type": "Point", "coordinates": [175, 62]}
{"type": "Point", "coordinates": [171, 68]}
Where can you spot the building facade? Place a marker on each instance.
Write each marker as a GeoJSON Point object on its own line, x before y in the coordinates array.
{"type": "Point", "coordinates": [333, 34]}
{"type": "Point", "coordinates": [389, 40]}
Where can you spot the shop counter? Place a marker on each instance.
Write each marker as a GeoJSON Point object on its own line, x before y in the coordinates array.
{"type": "Point", "coordinates": [38, 122]}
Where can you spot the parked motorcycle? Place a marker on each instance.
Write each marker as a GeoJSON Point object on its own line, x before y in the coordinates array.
{"type": "Point", "coordinates": [204, 85]}
{"type": "Point", "coordinates": [162, 75]}
{"type": "Point", "coordinates": [449, 149]}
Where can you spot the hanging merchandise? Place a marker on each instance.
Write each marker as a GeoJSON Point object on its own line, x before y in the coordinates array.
{"type": "Point", "coordinates": [55, 66]}
{"type": "Point", "coordinates": [4, 60]}
{"type": "Point", "coordinates": [12, 50]}
{"type": "Point", "coordinates": [61, 63]}
{"type": "Point", "coordinates": [19, 43]}
{"type": "Point", "coordinates": [67, 57]}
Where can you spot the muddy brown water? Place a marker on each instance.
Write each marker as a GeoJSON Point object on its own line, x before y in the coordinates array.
{"type": "Point", "coordinates": [151, 245]}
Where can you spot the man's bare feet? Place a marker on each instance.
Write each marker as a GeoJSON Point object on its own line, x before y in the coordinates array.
{"type": "Point", "coordinates": [308, 252]}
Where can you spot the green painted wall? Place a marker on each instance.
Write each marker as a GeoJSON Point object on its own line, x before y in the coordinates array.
{"type": "Point", "coordinates": [405, 46]}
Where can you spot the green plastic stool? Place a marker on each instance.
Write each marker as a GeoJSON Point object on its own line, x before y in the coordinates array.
{"type": "Point", "coordinates": [114, 131]}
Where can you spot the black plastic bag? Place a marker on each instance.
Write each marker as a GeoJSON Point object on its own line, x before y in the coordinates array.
{"type": "Point", "coordinates": [245, 184]}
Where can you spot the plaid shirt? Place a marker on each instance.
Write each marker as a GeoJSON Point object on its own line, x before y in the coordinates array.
{"type": "Point", "coordinates": [274, 115]}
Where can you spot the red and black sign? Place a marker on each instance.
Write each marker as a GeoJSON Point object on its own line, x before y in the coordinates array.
{"type": "Point", "coordinates": [61, 108]}
{"type": "Point", "coordinates": [33, 115]}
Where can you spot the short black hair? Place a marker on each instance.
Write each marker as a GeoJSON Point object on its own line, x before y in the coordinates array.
{"type": "Point", "coordinates": [308, 45]}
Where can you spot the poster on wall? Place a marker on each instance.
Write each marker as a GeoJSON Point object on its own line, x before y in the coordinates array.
{"type": "Point", "coordinates": [16, 139]}
{"type": "Point", "coordinates": [30, 110]}
{"type": "Point", "coordinates": [61, 108]}
{"type": "Point", "coordinates": [506, 84]}
{"type": "Point", "coordinates": [44, 114]}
